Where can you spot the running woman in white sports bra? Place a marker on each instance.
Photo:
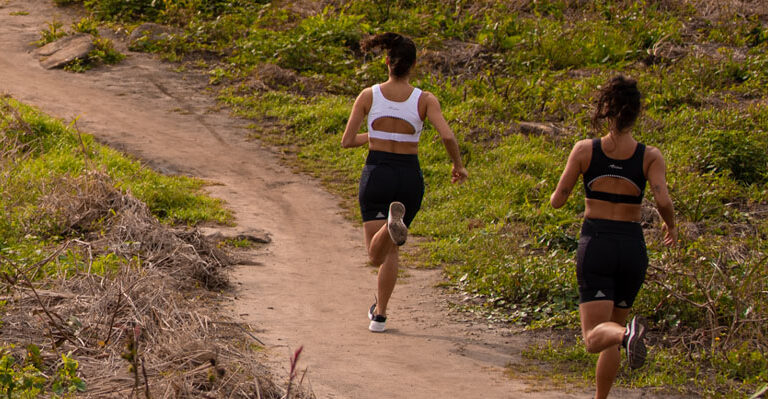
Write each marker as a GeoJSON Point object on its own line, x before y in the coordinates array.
{"type": "Point", "coordinates": [391, 185]}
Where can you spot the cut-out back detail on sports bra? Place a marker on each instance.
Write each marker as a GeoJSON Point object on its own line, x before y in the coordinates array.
{"type": "Point", "coordinates": [630, 170]}
{"type": "Point", "coordinates": [407, 111]}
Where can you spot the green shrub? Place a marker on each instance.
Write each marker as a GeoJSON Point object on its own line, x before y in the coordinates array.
{"type": "Point", "coordinates": [86, 25]}
{"type": "Point", "coordinates": [741, 155]}
{"type": "Point", "coordinates": [125, 10]}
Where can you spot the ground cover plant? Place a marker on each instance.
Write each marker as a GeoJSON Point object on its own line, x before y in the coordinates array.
{"type": "Point", "coordinates": [100, 256]}
{"type": "Point", "coordinates": [103, 52]}
{"type": "Point", "coordinates": [295, 67]}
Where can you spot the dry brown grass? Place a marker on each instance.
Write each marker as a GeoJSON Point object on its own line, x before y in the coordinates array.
{"type": "Point", "coordinates": [157, 303]}
{"type": "Point", "coordinates": [727, 9]}
{"type": "Point", "coordinates": [150, 325]}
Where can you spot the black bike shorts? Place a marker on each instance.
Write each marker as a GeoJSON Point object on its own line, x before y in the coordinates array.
{"type": "Point", "coordinates": [389, 177]}
{"type": "Point", "coordinates": [611, 261]}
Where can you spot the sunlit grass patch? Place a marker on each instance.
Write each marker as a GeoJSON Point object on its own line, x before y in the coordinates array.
{"type": "Point", "coordinates": [46, 161]}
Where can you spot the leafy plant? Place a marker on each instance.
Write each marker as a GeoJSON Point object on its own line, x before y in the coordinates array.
{"type": "Point", "coordinates": [18, 381]}
{"type": "Point", "coordinates": [66, 379]}
{"type": "Point", "coordinates": [51, 34]}
{"type": "Point", "coordinates": [86, 25]}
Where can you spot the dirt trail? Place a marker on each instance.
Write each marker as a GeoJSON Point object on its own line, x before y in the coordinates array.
{"type": "Point", "coordinates": [312, 286]}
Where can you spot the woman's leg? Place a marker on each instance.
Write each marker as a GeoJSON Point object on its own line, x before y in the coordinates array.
{"type": "Point", "coordinates": [610, 359]}
{"type": "Point", "coordinates": [602, 326]}
{"type": "Point", "coordinates": [384, 253]}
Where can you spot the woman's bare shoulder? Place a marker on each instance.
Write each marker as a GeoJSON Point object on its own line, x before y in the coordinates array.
{"type": "Point", "coordinates": [652, 153]}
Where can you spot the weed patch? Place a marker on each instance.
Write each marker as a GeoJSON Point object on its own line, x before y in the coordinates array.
{"type": "Point", "coordinates": [122, 301]}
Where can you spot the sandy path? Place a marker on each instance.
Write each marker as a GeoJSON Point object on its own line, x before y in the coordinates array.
{"type": "Point", "coordinates": [312, 286]}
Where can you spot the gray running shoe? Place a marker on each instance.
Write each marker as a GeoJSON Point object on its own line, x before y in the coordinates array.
{"type": "Point", "coordinates": [634, 343]}
{"type": "Point", "coordinates": [398, 232]}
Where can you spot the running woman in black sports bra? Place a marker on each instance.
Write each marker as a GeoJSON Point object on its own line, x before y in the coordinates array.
{"type": "Point", "coordinates": [612, 259]}
{"type": "Point", "coordinates": [391, 185]}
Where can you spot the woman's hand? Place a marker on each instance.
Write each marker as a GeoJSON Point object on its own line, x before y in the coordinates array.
{"type": "Point", "coordinates": [458, 175]}
{"type": "Point", "coordinates": [670, 235]}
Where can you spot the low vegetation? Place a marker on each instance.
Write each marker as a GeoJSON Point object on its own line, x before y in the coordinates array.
{"type": "Point", "coordinates": [104, 51]}
{"type": "Point", "coordinates": [99, 256]}
{"type": "Point", "coordinates": [295, 67]}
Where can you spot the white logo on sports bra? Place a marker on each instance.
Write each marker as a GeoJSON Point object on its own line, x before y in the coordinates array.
{"type": "Point", "coordinates": [612, 166]}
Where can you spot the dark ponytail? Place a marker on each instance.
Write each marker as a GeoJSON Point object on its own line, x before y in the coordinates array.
{"type": "Point", "coordinates": [400, 50]}
{"type": "Point", "coordinates": [619, 102]}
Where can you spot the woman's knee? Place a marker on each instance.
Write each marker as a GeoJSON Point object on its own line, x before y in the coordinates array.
{"type": "Point", "coordinates": [590, 343]}
{"type": "Point", "coordinates": [376, 260]}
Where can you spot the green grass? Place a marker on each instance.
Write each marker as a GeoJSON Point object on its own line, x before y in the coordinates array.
{"type": "Point", "coordinates": [54, 156]}
{"type": "Point", "coordinates": [667, 369]}
{"type": "Point", "coordinates": [706, 107]}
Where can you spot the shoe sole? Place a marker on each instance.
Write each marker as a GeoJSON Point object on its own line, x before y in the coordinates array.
{"type": "Point", "coordinates": [636, 350]}
{"type": "Point", "coordinates": [375, 326]}
{"type": "Point", "coordinates": [398, 232]}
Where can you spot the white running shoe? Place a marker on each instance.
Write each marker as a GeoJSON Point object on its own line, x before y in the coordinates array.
{"type": "Point", "coordinates": [398, 232]}
{"type": "Point", "coordinates": [378, 322]}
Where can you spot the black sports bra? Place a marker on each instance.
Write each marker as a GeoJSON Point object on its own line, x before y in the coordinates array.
{"type": "Point", "coordinates": [630, 170]}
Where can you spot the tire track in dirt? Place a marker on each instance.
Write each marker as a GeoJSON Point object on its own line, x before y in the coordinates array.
{"type": "Point", "coordinates": [311, 286]}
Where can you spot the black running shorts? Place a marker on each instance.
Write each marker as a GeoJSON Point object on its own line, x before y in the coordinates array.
{"type": "Point", "coordinates": [611, 261]}
{"type": "Point", "coordinates": [389, 177]}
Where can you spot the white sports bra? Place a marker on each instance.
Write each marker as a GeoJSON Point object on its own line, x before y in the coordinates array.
{"type": "Point", "coordinates": [407, 110]}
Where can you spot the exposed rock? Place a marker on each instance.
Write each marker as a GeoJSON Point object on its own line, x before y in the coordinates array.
{"type": "Point", "coordinates": [148, 33]}
{"type": "Point", "coordinates": [539, 129]}
{"type": "Point", "coordinates": [259, 236]}
{"type": "Point", "coordinates": [254, 235]}
{"type": "Point", "coordinates": [65, 50]}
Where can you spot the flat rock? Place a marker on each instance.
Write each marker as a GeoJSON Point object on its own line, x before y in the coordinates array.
{"type": "Point", "coordinates": [65, 50]}
{"type": "Point", "coordinates": [258, 236]}
{"type": "Point", "coordinates": [539, 129]}
{"type": "Point", "coordinates": [53, 47]}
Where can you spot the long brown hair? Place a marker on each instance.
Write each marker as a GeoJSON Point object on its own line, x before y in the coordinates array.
{"type": "Point", "coordinates": [400, 50]}
{"type": "Point", "coordinates": [620, 102]}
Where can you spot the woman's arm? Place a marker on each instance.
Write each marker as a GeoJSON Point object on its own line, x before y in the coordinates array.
{"type": "Point", "coordinates": [359, 111]}
{"type": "Point", "coordinates": [656, 175]}
{"type": "Point", "coordinates": [435, 116]}
{"type": "Point", "coordinates": [573, 169]}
